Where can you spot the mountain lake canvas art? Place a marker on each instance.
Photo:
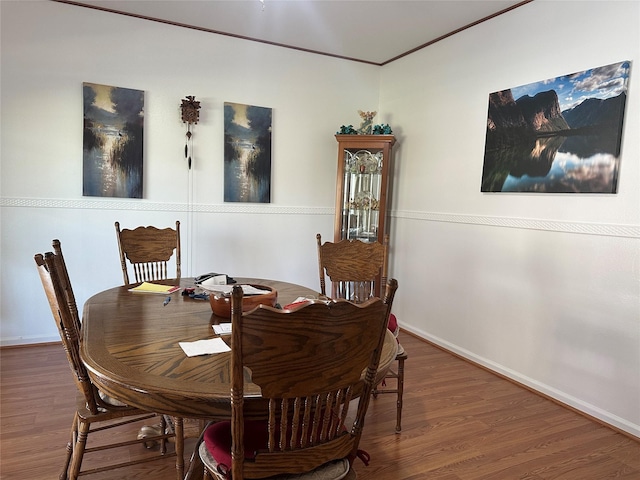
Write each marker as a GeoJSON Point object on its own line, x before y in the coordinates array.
{"type": "Point", "coordinates": [561, 135]}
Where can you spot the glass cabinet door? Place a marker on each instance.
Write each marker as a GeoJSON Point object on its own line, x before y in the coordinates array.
{"type": "Point", "coordinates": [362, 185]}
{"type": "Point", "coordinates": [361, 199]}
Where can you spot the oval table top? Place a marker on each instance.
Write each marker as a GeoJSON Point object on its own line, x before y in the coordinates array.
{"type": "Point", "coordinates": [130, 346]}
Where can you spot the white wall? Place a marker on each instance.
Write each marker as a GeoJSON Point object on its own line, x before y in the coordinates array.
{"type": "Point", "coordinates": [50, 49]}
{"type": "Point", "coordinates": [542, 288]}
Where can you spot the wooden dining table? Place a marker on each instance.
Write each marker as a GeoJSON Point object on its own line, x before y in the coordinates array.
{"type": "Point", "coordinates": [130, 346]}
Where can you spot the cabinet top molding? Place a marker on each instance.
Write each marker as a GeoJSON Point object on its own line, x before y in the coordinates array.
{"type": "Point", "coordinates": [366, 139]}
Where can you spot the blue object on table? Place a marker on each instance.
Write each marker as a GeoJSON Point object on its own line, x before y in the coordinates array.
{"type": "Point", "coordinates": [199, 296]}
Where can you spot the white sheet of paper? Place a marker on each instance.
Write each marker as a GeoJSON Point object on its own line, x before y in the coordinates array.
{"type": "Point", "coordinates": [219, 280]}
{"type": "Point", "coordinates": [222, 329]}
{"type": "Point", "coordinates": [204, 347]}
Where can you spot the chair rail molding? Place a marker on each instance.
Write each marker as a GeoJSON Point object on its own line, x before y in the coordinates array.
{"type": "Point", "coordinates": [585, 228]}
{"type": "Point", "coordinates": [90, 204]}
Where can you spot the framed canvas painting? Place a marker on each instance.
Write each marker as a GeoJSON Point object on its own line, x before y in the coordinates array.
{"type": "Point", "coordinates": [247, 153]}
{"type": "Point", "coordinates": [112, 141]}
{"type": "Point", "coordinates": [561, 135]}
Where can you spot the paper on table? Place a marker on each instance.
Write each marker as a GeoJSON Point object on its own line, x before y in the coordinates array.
{"type": "Point", "coordinates": [226, 289]}
{"type": "Point", "coordinates": [204, 347]}
{"type": "Point", "coordinates": [146, 287]}
{"type": "Point", "coordinates": [222, 329]}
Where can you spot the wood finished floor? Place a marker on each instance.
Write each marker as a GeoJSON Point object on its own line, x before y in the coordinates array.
{"type": "Point", "coordinates": [460, 422]}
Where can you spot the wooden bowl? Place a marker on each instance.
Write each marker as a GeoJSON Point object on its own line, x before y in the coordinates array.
{"type": "Point", "coordinates": [221, 305]}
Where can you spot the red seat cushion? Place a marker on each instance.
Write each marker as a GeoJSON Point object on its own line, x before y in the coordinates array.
{"type": "Point", "coordinates": [217, 438]}
{"type": "Point", "coordinates": [393, 324]}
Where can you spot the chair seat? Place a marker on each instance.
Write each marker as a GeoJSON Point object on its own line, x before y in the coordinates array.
{"type": "Point", "coordinates": [336, 470]}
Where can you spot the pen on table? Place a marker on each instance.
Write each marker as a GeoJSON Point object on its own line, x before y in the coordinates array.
{"type": "Point", "coordinates": [166, 301]}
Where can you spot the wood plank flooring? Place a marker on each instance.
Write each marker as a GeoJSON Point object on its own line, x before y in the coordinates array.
{"type": "Point", "coordinates": [460, 422]}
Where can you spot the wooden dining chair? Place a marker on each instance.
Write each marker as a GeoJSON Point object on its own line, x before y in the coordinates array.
{"type": "Point", "coordinates": [356, 271]}
{"type": "Point", "coordinates": [148, 251]}
{"type": "Point", "coordinates": [309, 363]}
{"type": "Point", "coordinates": [95, 411]}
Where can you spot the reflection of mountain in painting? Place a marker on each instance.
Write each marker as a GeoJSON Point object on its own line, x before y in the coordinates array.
{"type": "Point", "coordinates": [601, 118]}
{"type": "Point", "coordinates": [524, 135]}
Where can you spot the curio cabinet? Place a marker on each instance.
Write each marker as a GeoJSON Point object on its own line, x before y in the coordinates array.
{"type": "Point", "coordinates": [364, 166]}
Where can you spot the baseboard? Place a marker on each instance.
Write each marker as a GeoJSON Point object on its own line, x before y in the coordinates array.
{"type": "Point", "coordinates": [23, 341]}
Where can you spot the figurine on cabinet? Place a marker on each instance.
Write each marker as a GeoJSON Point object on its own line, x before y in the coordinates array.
{"type": "Point", "coordinates": [367, 122]}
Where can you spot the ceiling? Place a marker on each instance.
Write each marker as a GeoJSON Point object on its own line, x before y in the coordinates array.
{"type": "Point", "coordinates": [370, 31]}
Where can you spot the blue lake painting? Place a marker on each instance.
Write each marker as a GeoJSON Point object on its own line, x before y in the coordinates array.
{"type": "Point", "coordinates": [247, 153]}
{"type": "Point", "coordinates": [112, 148]}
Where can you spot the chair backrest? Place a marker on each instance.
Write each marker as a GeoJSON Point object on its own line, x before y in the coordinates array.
{"type": "Point", "coordinates": [356, 269]}
{"type": "Point", "coordinates": [66, 282]}
{"type": "Point", "coordinates": [149, 250]}
{"type": "Point", "coordinates": [55, 281]}
{"type": "Point", "coordinates": [309, 363]}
